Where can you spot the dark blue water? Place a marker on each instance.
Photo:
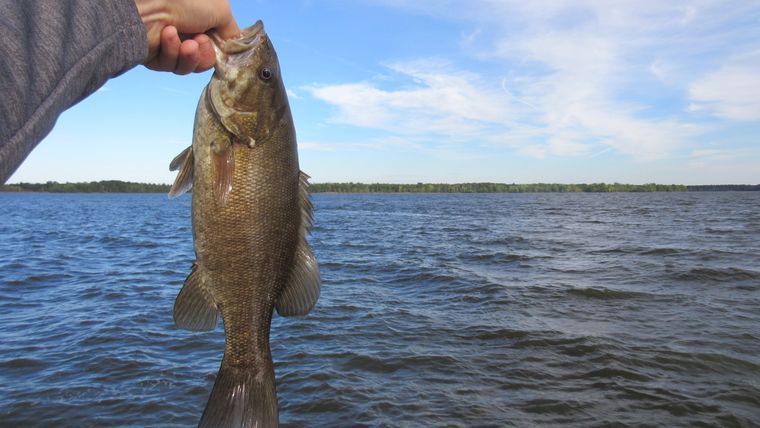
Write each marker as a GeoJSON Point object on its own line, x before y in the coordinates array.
{"type": "Point", "coordinates": [436, 310]}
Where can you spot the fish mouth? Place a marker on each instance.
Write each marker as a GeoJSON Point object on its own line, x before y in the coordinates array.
{"type": "Point", "coordinates": [249, 38]}
{"type": "Point", "coordinates": [250, 35]}
{"type": "Point", "coordinates": [229, 51]}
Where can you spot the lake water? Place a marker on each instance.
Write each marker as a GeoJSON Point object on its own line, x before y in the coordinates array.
{"type": "Point", "coordinates": [436, 310]}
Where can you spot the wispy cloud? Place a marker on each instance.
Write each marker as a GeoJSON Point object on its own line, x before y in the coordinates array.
{"type": "Point", "coordinates": [435, 100]}
{"type": "Point", "coordinates": [375, 144]}
{"type": "Point", "coordinates": [293, 95]}
{"type": "Point", "coordinates": [579, 78]}
{"type": "Point", "coordinates": [731, 92]}
{"type": "Point", "coordinates": [710, 160]}
{"type": "Point", "coordinates": [559, 115]}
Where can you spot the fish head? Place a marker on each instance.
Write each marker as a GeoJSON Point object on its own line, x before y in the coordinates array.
{"type": "Point", "coordinates": [247, 91]}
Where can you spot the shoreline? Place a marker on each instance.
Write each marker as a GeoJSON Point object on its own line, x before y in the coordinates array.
{"type": "Point", "coordinates": [117, 186]}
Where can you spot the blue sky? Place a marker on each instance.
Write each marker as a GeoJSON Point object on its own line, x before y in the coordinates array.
{"type": "Point", "coordinates": [454, 91]}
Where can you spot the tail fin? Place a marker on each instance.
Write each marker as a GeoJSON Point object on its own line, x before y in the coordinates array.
{"type": "Point", "coordinates": [242, 397]}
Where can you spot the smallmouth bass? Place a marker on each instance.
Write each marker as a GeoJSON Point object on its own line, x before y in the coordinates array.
{"type": "Point", "coordinates": [251, 213]}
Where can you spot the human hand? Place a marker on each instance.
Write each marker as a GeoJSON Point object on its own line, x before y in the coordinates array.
{"type": "Point", "coordinates": [176, 39]}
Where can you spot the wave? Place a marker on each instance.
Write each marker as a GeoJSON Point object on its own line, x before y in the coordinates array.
{"type": "Point", "coordinates": [607, 294]}
{"type": "Point", "coordinates": [717, 274]}
{"type": "Point", "coordinates": [545, 406]}
{"type": "Point", "coordinates": [498, 333]}
{"type": "Point", "coordinates": [413, 276]}
{"type": "Point", "coordinates": [22, 364]}
{"type": "Point", "coordinates": [662, 251]}
{"type": "Point", "coordinates": [387, 365]}
{"type": "Point", "coordinates": [688, 363]}
{"type": "Point", "coordinates": [42, 279]}
{"type": "Point", "coordinates": [613, 373]}
{"type": "Point", "coordinates": [497, 257]}
{"type": "Point", "coordinates": [742, 394]}
{"type": "Point", "coordinates": [549, 342]}
{"type": "Point", "coordinates": [616, 250]}
{"type": "Point", "coordinates": [720, 231]}
{"type": "Point", "coordinates": [506, 240]}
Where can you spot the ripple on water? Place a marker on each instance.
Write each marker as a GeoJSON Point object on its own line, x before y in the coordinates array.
{"type": "Point", "coordinates": [705, 274]}
{"type": "Point", "coordinates": [607, 294]}
{"type": "Point", "coordinates": [436, 310]}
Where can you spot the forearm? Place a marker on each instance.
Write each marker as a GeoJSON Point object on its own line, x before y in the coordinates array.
{"type": "Point", "coordinates": [53, 54]}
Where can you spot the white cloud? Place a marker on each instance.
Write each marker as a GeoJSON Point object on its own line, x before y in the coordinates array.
{"type": "Point", "coordinates": [710, 159]}
{"type": "Point", "coordinates": [562, 114]}
{"type": "Point", "coordinates": [533, 151]}
{"type": "Point", "coordinates": [364, 145]}
{"type": "Point", "coordinates": [440, 101]}
{"type": "Point", "coordinates": [661, 69]}
{"type": "Point", "coordinates": [712, 154]}
{"type": "Point", "coordinates": [317, 146]}
{"type": "Point", "coordinates": [571, 73]}
{"type": "Point", "coordinates": [731, 92]}
{"type": "Point", "coordinates": [293, 95]}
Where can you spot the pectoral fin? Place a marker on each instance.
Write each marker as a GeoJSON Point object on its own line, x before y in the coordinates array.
{"type": "Point", "coordinates": [302, 290]}
{"type": "Point", "coordinates": [195, 308]}
{"type": "Point", "coordinates": [184, 180]}
{"type": "Point", "coordinates": [180, 159]}
{"type": "Point", "coordinates": [224, 169]}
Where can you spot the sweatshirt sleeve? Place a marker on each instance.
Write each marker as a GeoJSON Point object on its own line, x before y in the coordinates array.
{"type": "Point", "coordinates": [54, 53]}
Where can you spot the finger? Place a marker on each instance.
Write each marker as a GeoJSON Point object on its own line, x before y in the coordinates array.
{"type": "Point", "coordinates": [228, 29]}
{"type": "Point", "coordinates": [170, 43]}
{"type": "Point", "coordinates": [188, 58]}
{"type": "Point", "coordinates": [206, 53]}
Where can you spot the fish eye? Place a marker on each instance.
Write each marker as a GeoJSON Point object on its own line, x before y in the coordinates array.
{"type": "Point", "coordinates": [265, 73]}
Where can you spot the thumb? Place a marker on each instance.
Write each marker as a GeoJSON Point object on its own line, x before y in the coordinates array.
{"type": "Point", "coordinates": [228, 30]}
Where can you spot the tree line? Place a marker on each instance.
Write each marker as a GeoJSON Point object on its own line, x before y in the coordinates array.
{"type": "Point", "coordinates": [492, 188]}
{"type": "Point", "coordinates": [117, 186]}
{"type": "Point", "coordinates": [106, 186]}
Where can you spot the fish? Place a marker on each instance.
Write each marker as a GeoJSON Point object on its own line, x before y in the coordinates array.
{"type": "Point", "coordinates": [251, 215]}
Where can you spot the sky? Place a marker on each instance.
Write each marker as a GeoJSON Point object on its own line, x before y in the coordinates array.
{"type": "Point", "coordinates": [406, 91]}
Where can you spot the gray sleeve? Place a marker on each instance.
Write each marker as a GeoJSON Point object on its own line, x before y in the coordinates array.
{"type": "Point", "coordinates": [54, 53]}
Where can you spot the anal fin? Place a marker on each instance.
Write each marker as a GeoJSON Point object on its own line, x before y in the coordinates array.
{"type": "Point", "coordinates": [302, 290]}
{"type": "Point", "coordinates": [195, 308]}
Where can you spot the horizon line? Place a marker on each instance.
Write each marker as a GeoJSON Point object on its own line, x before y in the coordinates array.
{"type": "Point", "coordinates": [398, 183]}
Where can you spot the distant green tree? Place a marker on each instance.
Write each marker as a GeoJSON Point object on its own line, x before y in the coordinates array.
{"type": "Point", "coordinates": [106, 186]}
{"type": "Point", "coordinates": [117, 186]}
